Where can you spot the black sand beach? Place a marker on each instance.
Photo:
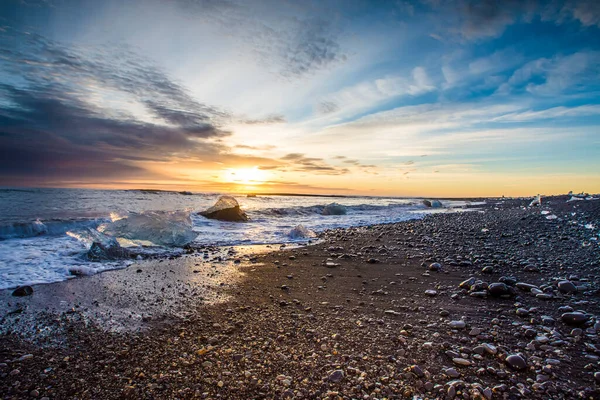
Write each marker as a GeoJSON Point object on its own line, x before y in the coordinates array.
{"type": "Point", "coordinates": [367, 313]}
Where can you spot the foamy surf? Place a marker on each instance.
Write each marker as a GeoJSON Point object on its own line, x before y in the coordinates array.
{"type": "Point", "coordinates": [48, 239]}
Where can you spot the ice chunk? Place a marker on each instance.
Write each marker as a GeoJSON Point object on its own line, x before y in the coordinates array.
{"type": "Point", "coordinates": [226, 209]}
{"type": "Point", "coordinates": [537, 201]}
{"type": "Point", "coordinates": [433, 203]}
{"type": "Point", "coordinates": [301, 232]}
{"type": "Point", "coordinates": [162, 228]}
{"type": "Point", "coordinates": [334, 209]}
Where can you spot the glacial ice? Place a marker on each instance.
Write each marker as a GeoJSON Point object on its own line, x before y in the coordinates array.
{"type": "Point", "coordinates": [162, 228]}
{"type": "Point", "coordinates": [334, 209]}
{"type": "Point", "coordinates": [432, 203]}
{"type": "Point", "coordinates": [537, 201]}
{"type": "Point", "coordinates": [226, 209]}
{"type": "Point", "coordinates": [301, 232]}
{"type": "Point", "coordinates": [223, 203]}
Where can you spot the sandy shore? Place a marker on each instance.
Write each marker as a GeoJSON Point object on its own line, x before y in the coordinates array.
{"type": "Point", "coordinates": [363, 314]}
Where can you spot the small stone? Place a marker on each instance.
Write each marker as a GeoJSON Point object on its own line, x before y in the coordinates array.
{"type": "Point", "coordinates": [23, 291]}
{"type": "Point", "coordinates": [488, 270]}
{"type": "Point", "coordinates": [522, 312]}
{"type": "Point", "coordinates": [467, 284]}
{"type": "Point", "coordinates": [435, 267]}
{"type": "Point", "coordinates": [515, 361]}
{"type": "Point", "coordinates": [498, 289]}
{"type": "Point", "coordinates": [567, 287]}
{"type": "Point", "coordinates": [417, 371]}
{"type": "Point", "coordinates": [457, 324]}
{"type": "Point", "coordinates": [475, 332]}
{"type": "Point", "coordinates": [491, 349]}
{"type": "Point", "coordinates": [461, 361]}
{"type": "Point", "coordinates": [336, 376]}
{"type": "Point", "coordinates": [452, 373]}
{"type": "Point", "coordinates": [574, 318]}
{"type": "Point", "coordinates": [526, 287]}
{"type": "Point", "coordinates": [431, 292]}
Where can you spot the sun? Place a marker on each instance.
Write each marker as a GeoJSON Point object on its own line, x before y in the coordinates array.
{"type": "Point", "coordinates": [245, 176]}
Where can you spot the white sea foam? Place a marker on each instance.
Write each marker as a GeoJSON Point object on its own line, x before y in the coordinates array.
{"type": "Point", "coordinates": [47, 236]}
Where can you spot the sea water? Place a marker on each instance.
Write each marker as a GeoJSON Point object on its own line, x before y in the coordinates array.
{"type": "Point", "coordinates": [46, 233]}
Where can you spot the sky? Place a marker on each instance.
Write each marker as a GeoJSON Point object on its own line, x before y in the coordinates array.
{"type": "Point", "coordinates": [391, 98]}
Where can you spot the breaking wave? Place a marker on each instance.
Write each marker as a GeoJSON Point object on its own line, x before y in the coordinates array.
{"type": "Point", "coordinates": [318, 209]}
{"type": "Point", "coordinates": [38, 228]}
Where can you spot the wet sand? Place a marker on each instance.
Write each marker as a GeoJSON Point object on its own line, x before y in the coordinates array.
{"type": "Point", "coordinates": [361, 314]}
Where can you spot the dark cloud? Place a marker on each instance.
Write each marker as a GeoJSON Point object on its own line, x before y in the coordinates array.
{"type": "Point", "coordinates": [311, 48]}
{"type": "Point", "coordinates": [490, 17]}
{"type": "Point", "coordinates": [475, 19]}
{"type": "Point", "coordinates": [299, 162]}
{"type": "Point", "coordinates": [58, 118]}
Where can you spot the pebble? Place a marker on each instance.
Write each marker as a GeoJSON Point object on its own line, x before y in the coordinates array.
{"type": "Point", "coordinates": [515, 361]}
{"type": "Point", "coordinates": [574, 318]}
{"type": "Point", "coordinates": [475, 332]}
{"type": "Point", "coordinates": [461, 361]}
{"type": "Point", "coordinates": [498, 289]}
{"type": "Point", "coordinates": [526, 287]}
{"type": "Point", "coordinates": [457, 324]}
{"type": "Point", "coordinates": [567, 287]}
{"type": "Point", "coordinates": [23, 291]}
{"type": "Point", "coordinates": [336, 376]}
{"type": "Point", "coordinates": [521, 312]}
{"type": "Point", "coordinates": [435, 266]}
{"type": "Point", "coordinates": [431, 292]}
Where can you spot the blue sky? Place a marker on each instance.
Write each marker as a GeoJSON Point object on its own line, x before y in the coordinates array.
{"type": "Point", "coordinates": [430, 97]}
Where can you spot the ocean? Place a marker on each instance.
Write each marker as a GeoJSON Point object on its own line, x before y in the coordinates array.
{"type": "Point", "coordinates": [45, 233]}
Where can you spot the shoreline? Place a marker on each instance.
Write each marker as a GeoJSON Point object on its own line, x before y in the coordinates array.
{"type": "Point", "coordinates": [348, 317]}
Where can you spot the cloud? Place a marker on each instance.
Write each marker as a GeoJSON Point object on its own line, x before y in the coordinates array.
{"type": "Point", "coordinates": [587, 12]}
{"type": "Point", "coordinates": [560, 74]}
{"type": "Point", "coordinates": [296, 39]}
{"type": "Point", "coordinates": [299, 162]}
{"type": "Point", "coordinates": [326, 107]}
{"type": "Point", "coordinates": [550, 113]}
{"type": "Point", "coordinates": [369, 94]}
{"type": "Point", "coordinates": [269, 120]}
{"type": "Point", "coordinates": [481, 19]}
{"type": "Point", "coordinates": [94, 113]}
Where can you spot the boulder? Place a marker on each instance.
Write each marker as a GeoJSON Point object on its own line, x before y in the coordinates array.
{"type": "Point", "coordinates": [334, 209]}
{"type": "Point", "coordinates": [226, 209]}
